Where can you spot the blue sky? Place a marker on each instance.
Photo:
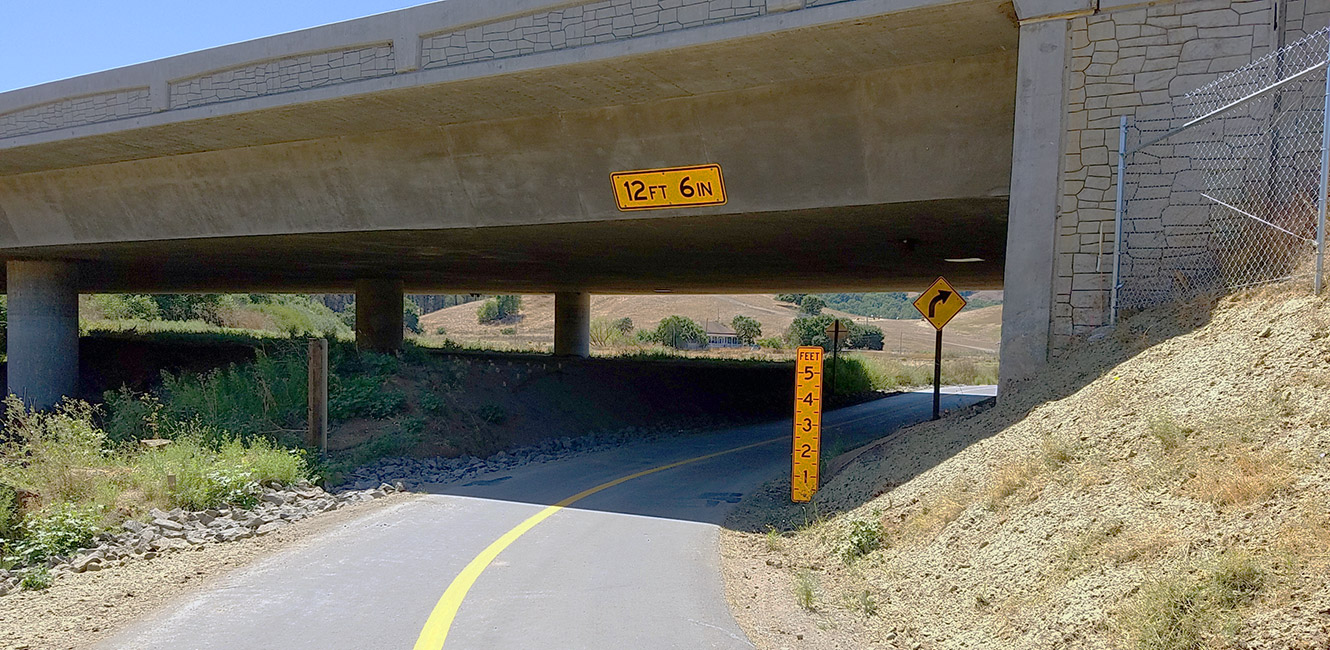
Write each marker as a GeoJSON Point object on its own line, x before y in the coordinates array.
{"type": "Point", "coordinates": [46, 40]}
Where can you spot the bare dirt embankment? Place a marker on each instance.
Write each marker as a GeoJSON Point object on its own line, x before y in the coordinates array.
{"type": "Point", "coordinates": [1166, 487]}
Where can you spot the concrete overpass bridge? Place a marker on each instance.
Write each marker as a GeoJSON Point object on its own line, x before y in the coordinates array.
{"type": "Point", "coordinates": [467, 145]}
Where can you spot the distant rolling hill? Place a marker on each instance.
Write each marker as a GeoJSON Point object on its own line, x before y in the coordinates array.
{"type": "Point", "coordinates": [972, 332]}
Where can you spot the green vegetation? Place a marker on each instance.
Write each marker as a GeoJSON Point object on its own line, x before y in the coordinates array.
{"type": "Point", "coordinates": [747, 328]}
{"type": "Point", "coordinates": [679, 332]}
{"type": "Point", "coordinates": [78, 479]}
{"type": "Point", "coordinates": [893, 305]}
{"type": "Point", "coordinates": [811, 330]}
{"type": "Point", "coordinates": [498, 309]}
{"type": "Point", "coordinates": [292, 315]}
{"type": "Point", "coordinates": [812, 305]}
{"type": "Point", "coordinates": [865, 536]}
{"type": "Point", "coordinates": [805, 590]}
{"type": "Point", "coordinates": [883, 373]}
{"type": "Point", "coordinates": [607, 332]}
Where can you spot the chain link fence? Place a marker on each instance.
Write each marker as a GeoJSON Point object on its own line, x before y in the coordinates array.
{"type": "Point", "coordinates": [1225, 188]}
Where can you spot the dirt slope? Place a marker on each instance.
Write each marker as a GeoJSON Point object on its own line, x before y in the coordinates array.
{"type": "Point", "coordinates": [1166, 487]}
{"type": "Point", "coordinates": [973, 332]}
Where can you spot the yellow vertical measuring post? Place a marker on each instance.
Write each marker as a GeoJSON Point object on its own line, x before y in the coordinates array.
{"type": "Point", "coordinates": [807, 423]}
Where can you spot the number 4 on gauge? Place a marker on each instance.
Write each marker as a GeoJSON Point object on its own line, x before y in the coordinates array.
{"type": "Point", "coordinates": [807, 423]}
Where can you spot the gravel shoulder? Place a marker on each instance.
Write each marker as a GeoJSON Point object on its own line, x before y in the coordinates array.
{"type": "Point", "coordinates": [81, 609]}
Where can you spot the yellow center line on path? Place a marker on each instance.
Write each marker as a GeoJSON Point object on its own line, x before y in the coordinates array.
{"type": "Point", "coordinates": [440, 620]}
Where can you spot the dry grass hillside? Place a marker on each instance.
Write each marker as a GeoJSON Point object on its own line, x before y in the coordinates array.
{"type": "Point", "coordinates": [1166, 488]}
{"type": "Point", "coordinates": [973, 332]}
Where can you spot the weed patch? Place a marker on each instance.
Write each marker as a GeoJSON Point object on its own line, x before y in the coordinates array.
{"type": "Point", "coordinates": [805, 590]}
{"type": "Point", "coordinates": [1190, 612]}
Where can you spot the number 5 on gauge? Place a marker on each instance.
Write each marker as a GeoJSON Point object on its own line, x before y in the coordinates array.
{"type": "Point", "coordinates": [807, 423]}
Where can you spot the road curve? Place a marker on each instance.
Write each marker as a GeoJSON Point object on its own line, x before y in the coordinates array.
{"type": "Point", "coordinates": [633, 565]}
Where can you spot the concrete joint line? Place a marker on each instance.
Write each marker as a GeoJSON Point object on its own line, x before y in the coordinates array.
{"type": "Point", "coordinates": [1066, 16]}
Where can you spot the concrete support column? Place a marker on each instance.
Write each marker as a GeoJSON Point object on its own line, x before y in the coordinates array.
{"type": "Point", "coordinates": [572, 324]}
{"type": "Point", "coordinates": [379, 315]}
{"type": "Point", "coordinates": [43, 332]}
{"type": "Point", "coordinates": [1036, 172]}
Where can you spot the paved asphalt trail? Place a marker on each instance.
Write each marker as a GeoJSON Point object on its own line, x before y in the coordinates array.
{"type": "Point", "coordinates": [632, 566]}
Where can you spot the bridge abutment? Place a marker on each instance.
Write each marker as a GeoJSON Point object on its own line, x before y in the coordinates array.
{"type": "Point", "coordinates": [43, 331]}
{"type": "Point", "coordinates": [572, 324]}
{"type": "Point", "coordinates": [1033, 208]}
{"type": "Point", "coordinates": [379, 315]}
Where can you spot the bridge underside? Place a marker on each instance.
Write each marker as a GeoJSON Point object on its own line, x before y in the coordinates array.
{"type": "Point", "coordinates": [860, 248]}
{"type": "Point", "coordinates": [861, 151]}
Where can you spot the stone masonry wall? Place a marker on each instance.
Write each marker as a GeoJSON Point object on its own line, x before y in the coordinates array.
{"type": "Point", "coordinates": [1134, 62]}
{"type": "Point", "coordinates": [80, 110]}
{"type": "Point", "coordinates": [569, 27]}
{"type": "Point", "coordinates": [588, 24]}
{"type": "Point", "coordinates": [284, 75]}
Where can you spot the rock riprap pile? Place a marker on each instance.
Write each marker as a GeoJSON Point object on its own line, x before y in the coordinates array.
{"type": "Point", "coordinates": [415, 472]}
{"type": "Point", "coordinates": [175, 530]}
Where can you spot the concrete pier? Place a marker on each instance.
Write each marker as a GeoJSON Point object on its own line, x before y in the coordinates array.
{"type": "Point", "coordinates": [379, 315]}
{"type": "Point", "coordinates": [572, 324]}
{"type": "Point", "coordinates": [43, 333]}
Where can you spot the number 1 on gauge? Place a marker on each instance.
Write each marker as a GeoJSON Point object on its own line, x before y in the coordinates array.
{"type": "Point", "coordinates": [807, 423]}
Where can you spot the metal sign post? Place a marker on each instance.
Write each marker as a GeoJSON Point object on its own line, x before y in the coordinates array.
{"type": "Point", "coordinates": [834, 330]}
{"type": "Point", "coordinates": [939, 304]}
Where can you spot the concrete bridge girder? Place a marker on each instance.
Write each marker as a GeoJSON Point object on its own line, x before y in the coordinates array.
{"type": "Point", "coordinates": [862, 147]}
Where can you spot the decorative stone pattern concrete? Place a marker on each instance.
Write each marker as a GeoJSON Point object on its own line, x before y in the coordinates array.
{"type": "Point", "coordinates": [73, 112]}
{"type": "Point", "coordinates": [1134, 62]}
{"type": "Point", "coordinates": [284, 75]}
{"type": "Point", "coordinates": [578, 26]}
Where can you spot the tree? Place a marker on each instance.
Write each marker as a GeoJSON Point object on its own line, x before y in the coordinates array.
{"type": "Point", "coordinates": [411, 316]}
{"type": "Point", "coordinates": [498, 308]}
{"type": "Point", "coordinates": [680, 332]}
{"type": "Point", "coordinates": [624, 325]}
{"type": "Point", "coordinates": [812, 305]}
{"type": "Point", "coordinates": [792, 298]}
{"type": "Point", "coordinates": [810, 330]}
{"type": "Point", "coordinates": [865, 337]}
{"type": "Point", "coordinates": [748, 329]}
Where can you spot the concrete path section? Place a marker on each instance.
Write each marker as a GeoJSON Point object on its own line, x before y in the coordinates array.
{"type": "Point", "coordinates": [634, 565]}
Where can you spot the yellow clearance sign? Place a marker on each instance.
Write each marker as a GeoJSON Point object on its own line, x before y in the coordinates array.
{"type": "Point", "coordinates": [807, 423]}
{"type": "Point", "coordinates": [939, 303]}
{"type": "Point", "coordinates": [676, 187]}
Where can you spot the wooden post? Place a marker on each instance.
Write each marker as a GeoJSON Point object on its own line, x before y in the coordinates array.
{"type": "Point", "coordinates": [317, 436]}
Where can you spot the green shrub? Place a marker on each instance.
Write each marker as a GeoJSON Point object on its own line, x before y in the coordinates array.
{"type": "Point", "coordinates": [772, 343]}
{"type": "Point", "coordinates": [11, 518]}
{"type": "Point", "coordinates": [58, 530]}
{"type": "Point", "coordinates": [865, 536]}
{"type": "Point", "coordinates": [36, 580]}
{"type": "Point", "coordinates": [362, 396]}
{"type": "Point", "coordinates": [492, 413]}
{"type": "Point", "coordinates": [624, 325]}
{"type": "Point", "coordinates": [440, 331]}
{"type": "Point", "coordinates": [265, 397]}
{"type": "Point", "coordinates": [227, 474]}
{"type": "Point", "coordinates": [498, 308]}
{"type": "Point", "coordinates": [185, 307]}
{"type": "Point", "coordinates": [812, 305]}
{"type": "Point", "coordinates": [127, 307]}
{"type": "Point", "coordinates": [864, 337]}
